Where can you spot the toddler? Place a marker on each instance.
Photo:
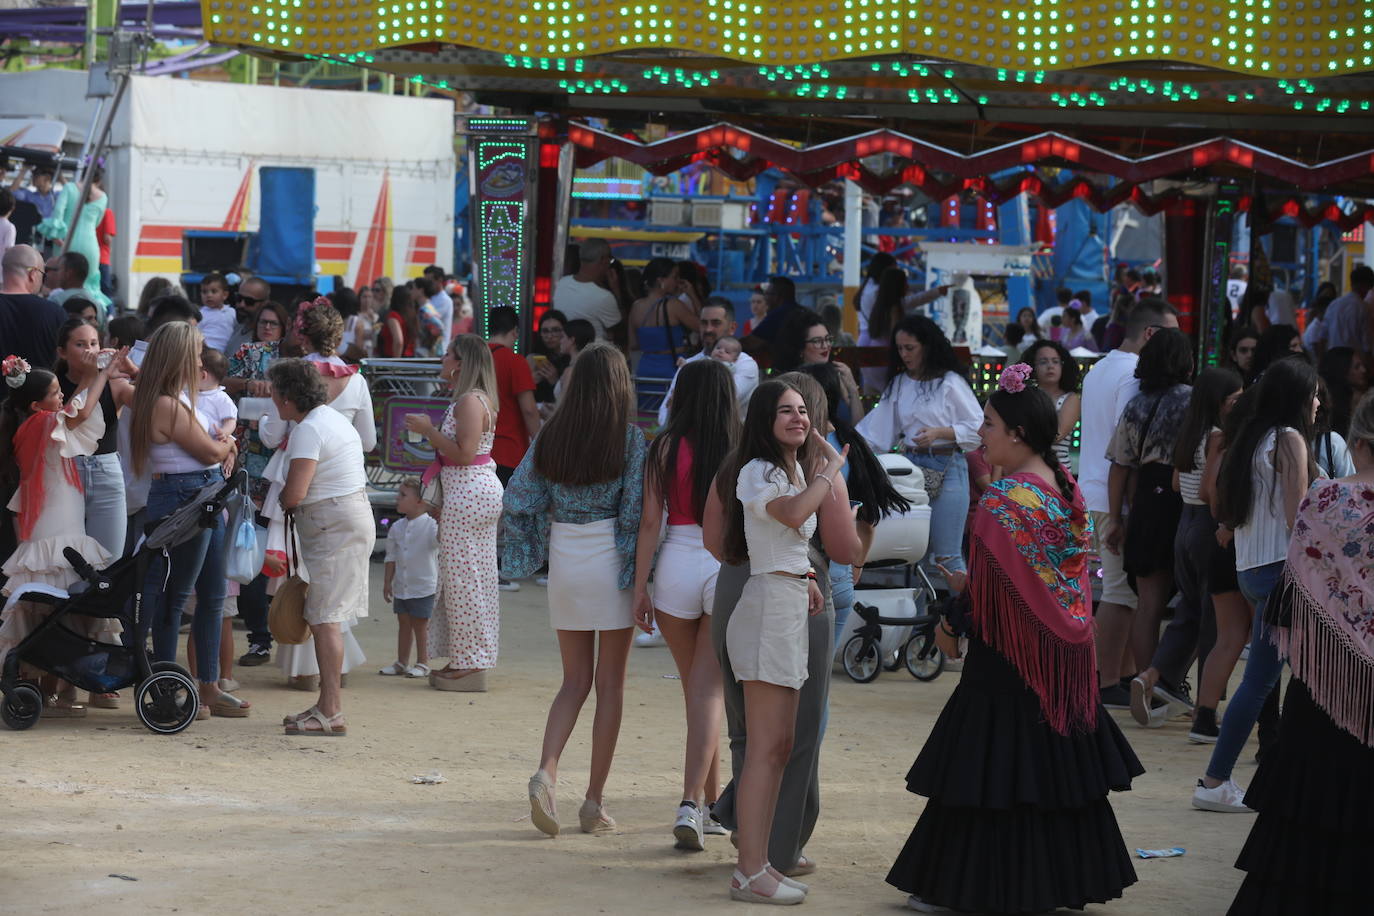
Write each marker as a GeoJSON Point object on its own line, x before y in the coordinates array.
{"type": "Point", "coordinates": [412, 578]}
{"type": "Point", "coordinates": [727, 350]}
{"type": "Point", "coordinates": [217, 317]}
{"type": "Point", "coordinates": [213, 403]}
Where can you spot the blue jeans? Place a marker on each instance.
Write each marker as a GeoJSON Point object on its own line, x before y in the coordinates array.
{"type": "Point", "coordinates": [842, 593]}
{"type": "Point", "coordinates": [196, 564]}
{"type": "Point", "coordinates": [948, 513]}
{"type": "Point", "coordinates": [102, 479]}
{"type": "Point", "coordinates": [1262, 672]}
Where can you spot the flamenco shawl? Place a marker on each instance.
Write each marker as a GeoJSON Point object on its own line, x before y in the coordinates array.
{"type": "Point", "coordinates": [31, 442]}
{"type": "Point", "coordinates": [1323, 622]}
{"type": "Point", "coordinates": [1031, 594]}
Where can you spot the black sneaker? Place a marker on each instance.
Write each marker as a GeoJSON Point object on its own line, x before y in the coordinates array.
{"type": "Point", "coordinates": [1204, 730]}
{"type": "Point", "coordinates": [256, 655]}
{"type": "Point", "coordinates": [1179, 696]}
{"type": "Point", "coordinates": [1115, 697]}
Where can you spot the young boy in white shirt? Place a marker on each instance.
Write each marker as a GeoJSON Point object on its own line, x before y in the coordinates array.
{"type": "Point", "coordinates": [213, 403]}
{"type": "Point", "coordinates": [412, 578]}
{"type": "Point", "coordinates": [217, 317]}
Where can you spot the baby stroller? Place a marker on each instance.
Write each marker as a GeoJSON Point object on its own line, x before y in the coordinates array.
{"type": "Point", "coordinates": [889, 627]}
{"type": "Point", "coordinates": [166, 698]}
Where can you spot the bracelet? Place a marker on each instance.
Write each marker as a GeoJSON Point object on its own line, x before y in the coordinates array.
{"type": "Point", "coordinates": [828, 482]}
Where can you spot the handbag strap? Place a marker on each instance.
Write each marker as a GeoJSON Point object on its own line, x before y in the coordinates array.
{"type": "Point", "coordinates": [1150, 422]}
{"type": "Point", "coordinates": [292, 557]}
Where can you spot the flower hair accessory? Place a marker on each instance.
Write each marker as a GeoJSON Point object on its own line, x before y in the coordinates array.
{"type": "Point", "coordinates": [16, 370]}
{"type": "Point", "coordinates": [299, 324]}
{"type": "Point", "coordinates": [1013, 380]}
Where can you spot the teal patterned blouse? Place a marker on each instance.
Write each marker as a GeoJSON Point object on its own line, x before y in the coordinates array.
{"type": "Point", "coordinates": [533, 503]}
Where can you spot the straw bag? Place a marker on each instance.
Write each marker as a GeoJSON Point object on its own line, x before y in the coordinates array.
{"type": "Point", "coordinates": [286, 616]}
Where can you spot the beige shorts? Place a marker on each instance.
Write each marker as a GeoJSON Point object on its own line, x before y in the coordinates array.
{"type": "Point", "coordinates": [1115, 588]}
{"type": "Point", "coordinates": [336, 537]}
{"type": "Point", "coordinates": [766, 638]}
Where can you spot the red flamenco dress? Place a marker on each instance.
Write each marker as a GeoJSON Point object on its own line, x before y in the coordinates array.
{"type": "Point", "coordinates": [1017, 768]}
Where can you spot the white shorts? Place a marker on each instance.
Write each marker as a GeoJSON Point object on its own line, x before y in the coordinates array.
{"type": "Point", "coordinates": [1116, 588]}
{"type": "Point", "coordinates": [766, 638]}
{"type": "Point", "coordinates": [685, 574]}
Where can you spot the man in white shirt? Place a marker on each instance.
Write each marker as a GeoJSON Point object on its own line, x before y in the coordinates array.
{"type": "Point", "coordinates": [1348, 318]}
{"type": "Point", "coordinates": [1107, 389]}
{"type": "Point", "coordinates": [441, 300]}
{"type": "Point", "coordinates": [580, 295]}
{"type": "Point", "coordinates": [717, 320]}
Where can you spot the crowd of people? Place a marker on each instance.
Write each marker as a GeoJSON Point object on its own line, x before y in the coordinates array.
{"type": "Point", "coordinates": [1235, 502]}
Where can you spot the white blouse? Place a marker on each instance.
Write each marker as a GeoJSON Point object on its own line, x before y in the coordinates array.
{"type": "Point", "coordinates": [909, 405]}
{"type": "Point", "coordinates": [1263, 539]}
{"type": "Point", "coordinates": [773, 547]}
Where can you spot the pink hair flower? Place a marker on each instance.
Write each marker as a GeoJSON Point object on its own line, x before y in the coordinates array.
{"type": "Point", "coordinates": [1013, 380]}
{"type": "Point", "coordinates": [16, 370]}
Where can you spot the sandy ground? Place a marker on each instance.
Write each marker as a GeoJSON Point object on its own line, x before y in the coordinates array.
{"type": "Point", "coordinates": [233, 816]}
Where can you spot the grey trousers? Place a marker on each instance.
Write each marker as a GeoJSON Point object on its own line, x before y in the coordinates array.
{"type": "Point", "coordinates": [799, 797]}
{"type": "Point", "coordinates": [1193, 631]}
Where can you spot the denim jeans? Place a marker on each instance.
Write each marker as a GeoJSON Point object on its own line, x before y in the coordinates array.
{"type": "Point", "coordinates": [842, 593]}
{"type": "Point", "coordinates": [1262, 672]}
{"type": "Point", "coordinates": [102, 479]}
{"type": "Point", "coordinates": [948, 513]}
{"type": "Point", "coordinates": [196, 564]}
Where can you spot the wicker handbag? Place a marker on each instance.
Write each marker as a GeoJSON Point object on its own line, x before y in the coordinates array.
{"type": "Point", "coordinates": [286, 616]}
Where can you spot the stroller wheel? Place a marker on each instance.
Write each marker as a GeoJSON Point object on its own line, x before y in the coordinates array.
{"type": "Point", "coordinates": [22, 707]}
{"type": "Point", "coordinates": [923, 658]}
{"type": "Point", "coordinates": [167, 702]}
{"type": "Point", "coordinates": [893, 661]}
{"type": "Point", "coordinates": [862, 659]}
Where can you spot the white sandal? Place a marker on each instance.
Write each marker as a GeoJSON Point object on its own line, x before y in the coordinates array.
{"type": "Point", "coordinates": [419, 669]}
{"type": "Point", "coordinates": [395, 669]}
{"type": "Point", "coordinates": [784, 895]}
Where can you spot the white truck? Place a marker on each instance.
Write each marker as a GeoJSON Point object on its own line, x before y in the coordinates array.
{"type": "Point", "coordinates": [185, 153]}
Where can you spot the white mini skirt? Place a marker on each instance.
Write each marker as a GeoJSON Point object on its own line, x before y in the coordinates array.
{"type": "Point", "coordinates": [584, 578]}
{"type": "Point", "coordinates": [766, 637]}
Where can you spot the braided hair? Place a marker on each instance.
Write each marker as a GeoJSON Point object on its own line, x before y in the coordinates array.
{"type": "Point", "coordinates": [1030, 412]}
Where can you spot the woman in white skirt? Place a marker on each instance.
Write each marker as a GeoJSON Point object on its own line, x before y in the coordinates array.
{"type": "Point", "coordinates": [325, 492]}
{"type": "Point", "coordinates": [702, 429]}
{"type": "Point", "coordinates": [766, 640]}
{"type": "Point", "coordinates": [574, 502]}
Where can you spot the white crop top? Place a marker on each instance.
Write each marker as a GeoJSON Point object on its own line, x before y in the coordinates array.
{"type": "Point", "coordinates": [170, 458]}
{"type": "Point", "coordinates": [773, 547]}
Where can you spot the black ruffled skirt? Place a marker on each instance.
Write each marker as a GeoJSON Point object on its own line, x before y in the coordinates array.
{"type": "Point", "coordinates": [1312, 841]}
{"type": "Point", "coordinates": [1017, 819]}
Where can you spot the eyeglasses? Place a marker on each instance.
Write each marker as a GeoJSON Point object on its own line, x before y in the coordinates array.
{"type": "Point", "coordinates": [41, 270]}
{"type": "Point", "coordinates": [819, 341]}
{"type": "Point", "coordinates": [1049, 361]}
{"type": "Point", "coordinates": [268, 323]}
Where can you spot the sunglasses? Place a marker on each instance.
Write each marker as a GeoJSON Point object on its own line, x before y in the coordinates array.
{"type": "Point", "coordinates": [249, 300]}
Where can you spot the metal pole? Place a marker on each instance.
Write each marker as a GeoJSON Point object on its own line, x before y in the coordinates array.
{"type": "Point", "coordinates": [853, 250]}
{"type": "Point", "coordinates": [99, 151]}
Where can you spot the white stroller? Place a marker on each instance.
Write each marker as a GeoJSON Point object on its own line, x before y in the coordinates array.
{"type": "Point", "coordinates": [892, 623]}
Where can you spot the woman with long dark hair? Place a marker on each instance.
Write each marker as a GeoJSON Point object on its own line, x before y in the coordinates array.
{"type": "Point", "coordinates": [659, 324]}
{"type": "Point", "coordinates": [1142, 475]}
{"type": "Point", "coordinates": [702, 429]}
{"type": "Point", "coordinates": [1017, 768]}
{"type": "Point", "coordinates": [1276, 342]}
{"type": "Point", "coordinates": [868, 291]}
{"type": "Point", "coordinates": [1058, 374]}
{"type": "Point", "coordinates": [574, 503]}
{"type": "Point", "coordinates": [891, 303]}
{"type": "Point", "coordinates": [805, 340]}
{"type": "Point", "coordinates": [868, 484]}
{"type": "Point", "coordinates": [929, 409]}
{"type": "Point", "coordinates": [1347, 379]}
{"type": "Point", "coordinates": [1240, 350]}
{"type": "Point", "coordinates": [1264, 475]}
{"type": "Point", "coordinates": [1231, 612]}
{"type": "Point", "coordinates": [401, 327]}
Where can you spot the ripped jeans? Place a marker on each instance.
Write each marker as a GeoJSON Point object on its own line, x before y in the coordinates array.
{"type": "Point", "coordinates": [948, 513]}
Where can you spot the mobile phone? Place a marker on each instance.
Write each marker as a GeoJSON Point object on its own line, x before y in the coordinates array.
{"type": "Point", "coordinates": [856, 504]}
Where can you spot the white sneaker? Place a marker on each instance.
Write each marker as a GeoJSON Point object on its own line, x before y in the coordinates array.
{"type": "Point", "coordinates": [1227, 798]}
{"type": "Point", "coordinates": [712, 827]}
{"type": "Point", "coordinates": [542, 581]}
{"type": "Point", "coordinates": [687, 829]}
{"type": "Point", "coordinates": [507, 585]}
{"type": "Point", "coordinates": [650, 640]}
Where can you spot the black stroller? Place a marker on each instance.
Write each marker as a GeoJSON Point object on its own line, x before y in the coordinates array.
{"type": "Point", "coordinates": [165, 696]}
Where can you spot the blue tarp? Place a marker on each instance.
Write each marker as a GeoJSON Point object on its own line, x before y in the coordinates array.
{"type": "Point", "coordinates": [1079, 245]}
{"type": "Point", "coordinates": [286, 226]}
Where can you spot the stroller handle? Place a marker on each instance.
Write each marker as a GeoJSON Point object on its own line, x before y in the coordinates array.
{"type": "Point", "coordinates": [83, 569]}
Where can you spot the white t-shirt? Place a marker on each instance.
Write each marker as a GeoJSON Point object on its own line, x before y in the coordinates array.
{"type": "Point", "coordinates": [745, 371]}
{"type": "Point", "coordinates": [215, 406]}
{"type": "Point", "coordinates": [1263, 539]}
{"type": "Point", "coordinates": [413, 545]}
{"type": "Point", "coordinates": [773, 547]}
{"type": "Point", "coordinates": [587, 301]}
{"type": "Point", "coordinates": [1107, 389]}
{"type": "Point", "coordinates": [217, 326]}
{"type": "Point", "coordinates": [324, 436]}
{"type": "Point", "coordinates": [868, 295]}
{"type": "Point", "coordinates": [1281, 309]}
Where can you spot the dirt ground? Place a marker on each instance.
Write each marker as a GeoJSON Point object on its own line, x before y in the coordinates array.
{"type": "Point", "coordinates": [233, 816]}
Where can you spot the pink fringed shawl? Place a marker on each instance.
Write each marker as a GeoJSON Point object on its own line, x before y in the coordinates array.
{"type": "Point", "coordinates": [1031, 595]}
{"type": "Point", "coordinates": [1324, 615]}
{"type": "Point", "coordinates": [31, 442]}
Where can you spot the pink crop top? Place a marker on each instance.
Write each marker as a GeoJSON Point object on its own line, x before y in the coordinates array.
{"type": "Point", "coordinates": [680, 492]}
